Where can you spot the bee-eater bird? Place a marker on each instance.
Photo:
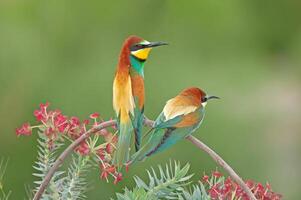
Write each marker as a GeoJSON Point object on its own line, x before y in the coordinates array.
{"type": "Point", "coordinates": [128, 94]}
{"type": "Point", "coordinates": [181, 116]}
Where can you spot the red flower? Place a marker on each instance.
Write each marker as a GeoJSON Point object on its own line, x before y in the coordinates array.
{"type": "Point", "coordinates": [228, 189]}
{"type": "Point", "coordinates": [104, 175]}
{"type": "Point", "coordinates": [101, 153]}
{"type": "Point", "coordinates": [214, 191]}
{"type": "Point", "coordinates": [111, 169]}
{"type": "Point", "coordinates": [44, 107]}
{"type": "Point", "coordinates": [39, 115]}
{"type": "Point", "coordinates": [260, 187]}
{"type": "Point", "coordinates": [75, 121]}
{"type": "Point", "coordinates": [227, 186]}
{"type": "Point", "coordinates": [205, 178]}
{"type": "Point", "coordinates": [83, 149]}
{"type": "Point", "coordinates": [94, 115]}
{"type": "Point", "coordinates": [24, 130]}
{"type": "Point", "coordinates": [118, 178]}
{"type": "Point", "coordinates": [109, 148]}
{"type": "Point", "coordinates": [106, 170]}
{"type": "Point", "coordinates": [86, 121]}
{"type": "Point", "coordinates": [60, 121]}
{"type": "Point", "coordinates": [216, 174]}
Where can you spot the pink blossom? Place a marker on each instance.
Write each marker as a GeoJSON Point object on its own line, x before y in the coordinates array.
{"type": "Point", "coordinates": [83, 149]}
{"type": "Point", "coordinates": [118, 178]}
{"type": "Point", "coordinates": [60, 122]}
{"type": "Point", "coordinates": [25, 129]}
{"type": "Point", "coordinates": [94, 115]}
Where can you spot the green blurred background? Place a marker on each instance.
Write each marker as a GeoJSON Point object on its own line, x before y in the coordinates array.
{"type": "Point", "coordinates": [247, 52]}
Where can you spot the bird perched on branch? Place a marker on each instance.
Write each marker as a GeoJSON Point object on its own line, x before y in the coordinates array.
{"type": "Point", "coordinates": [128, 94]}
{"type": "Point", "coordinates": [181, 116]}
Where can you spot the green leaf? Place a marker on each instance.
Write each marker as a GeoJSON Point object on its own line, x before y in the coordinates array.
{"type": "Point", "coordinates": [165, 183]}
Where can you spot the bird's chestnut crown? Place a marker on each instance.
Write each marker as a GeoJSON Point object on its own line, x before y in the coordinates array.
{"type": "Point", "coordinates": [198, 94]}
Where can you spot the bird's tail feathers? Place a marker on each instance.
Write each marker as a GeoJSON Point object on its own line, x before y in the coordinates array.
{"type": "Point", "coordinates": [121, 155]}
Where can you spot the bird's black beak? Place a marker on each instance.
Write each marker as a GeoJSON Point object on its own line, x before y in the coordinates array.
{"type": "Point", "coordinates": [155, 44]}
{"type": "Point", "coordinates": [212, 97]}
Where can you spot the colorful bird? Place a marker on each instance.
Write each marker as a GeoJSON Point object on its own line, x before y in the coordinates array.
{"type": "Point", "coordinates": [181, 116]}
{"type": "Point", "coordinates": [128, 94]}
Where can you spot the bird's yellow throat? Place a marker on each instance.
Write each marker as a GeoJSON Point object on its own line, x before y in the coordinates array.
{"type": "Point", "coordinates": [141, 54]}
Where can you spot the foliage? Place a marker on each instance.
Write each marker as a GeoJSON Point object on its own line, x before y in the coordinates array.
{"type": "Point", "coordinates": [71, 186]}
{"type": "Point", "coordinates": [45, 160]}
{"type": "Point", "coordinates": [167, 183]}
{"type": "Point", "coordinates": [176, 184]}
{"type": "Point", "coordinates": [75, 185]}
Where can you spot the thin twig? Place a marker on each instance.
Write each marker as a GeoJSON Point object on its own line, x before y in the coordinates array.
{"type": "Point", "coordinates": [222, 163]}
{"type": "Point", "coordinates": [148, 123]}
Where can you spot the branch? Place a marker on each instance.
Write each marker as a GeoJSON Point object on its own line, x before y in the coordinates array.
{"type": "Point", "coordinates": [149, 123]}
{"type": "Point", "coordinates": [216, 158]}
{"type": "Point", "coordinates": [222, 163]}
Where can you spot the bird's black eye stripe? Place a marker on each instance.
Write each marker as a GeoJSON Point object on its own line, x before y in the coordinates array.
{"type": "Point", "coordinates": [136, 47]}
{"type": "Point", "coordinates": [204, 99]}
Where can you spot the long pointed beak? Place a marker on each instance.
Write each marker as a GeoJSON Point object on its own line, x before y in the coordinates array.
{"type": "Point", "coordinates": [155, 44]}
{"type": "Point", "coordinates": [212, 97]}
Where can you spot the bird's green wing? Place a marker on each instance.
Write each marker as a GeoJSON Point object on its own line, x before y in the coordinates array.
{"type": "Point", "coordinates": [172, 137]}
{"type": "Point", "coordinates": [137, 122]}
{"type": "Point", "coordinates": [152, 143]}
{"type": "Point", "coordinates": [162, 123]}
{"type": "Point", "coordinates": [121, 154]}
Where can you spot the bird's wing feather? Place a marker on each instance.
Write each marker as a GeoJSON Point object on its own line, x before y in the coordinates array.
{"type": "Point", "coordinates": [123, 100]}
{"type": "Point", "coordinates": [161, 121]}
{"type": "Point", "coordinates": [179, 105]}
{"type": "Point", "coordinates": [191, 119]}
{"type": "Point", "coordinates": [124, 106]}
{"type": "Point", "coordinates": [137, 122]}
{"type": "Point", "coordinates": [161, 139]}
{"type": "Point", "coordinates": [153, 141]}
{"type": "Point", "coordinates": [175, 136]}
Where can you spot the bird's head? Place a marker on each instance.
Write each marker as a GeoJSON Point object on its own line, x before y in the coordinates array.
{"type": "Point", "coordinates": [198, 95]}
{"type": "Point", "coordinates": [135, 51]}
{"type": "Point", "coordinates": [140, 48]}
